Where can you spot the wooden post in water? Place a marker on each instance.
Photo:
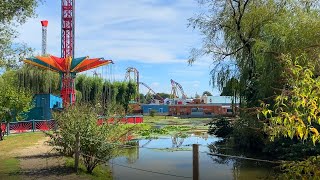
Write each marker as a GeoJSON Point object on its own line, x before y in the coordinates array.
{"type": "Point", "coordinates": [195, 162]}
{"type": "Point", "coordinates": [77, 152]}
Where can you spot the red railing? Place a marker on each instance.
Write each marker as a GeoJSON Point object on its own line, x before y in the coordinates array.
{"type": "Point", "coordinates": [46, 125]}
{"type": "Point", "coordinates": [28, 126]}
{"type": "Point", "coordinates": [127, 119]}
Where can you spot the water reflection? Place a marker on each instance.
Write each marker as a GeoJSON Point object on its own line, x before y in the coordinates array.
{"type": "Point", "coordinates": [131, 153]}
{"type": "Point", "coordinates": [178, 139]}
{"type": "Point", "coordinates": [242, 168]}
{"type": "Point", "coordinates": [152, 154]}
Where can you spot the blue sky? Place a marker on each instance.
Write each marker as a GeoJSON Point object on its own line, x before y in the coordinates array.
{"type": "Point", "coordinates": [150, 35]}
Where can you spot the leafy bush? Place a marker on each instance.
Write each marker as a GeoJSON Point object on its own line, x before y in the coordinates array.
{"type": "Point", "coordinates": [296, 112]}
{"type": "Point", "coordinates": [248, 133]}
{"type": "Point", "coordinates": [97, 142]}
{"type": "Point", "coordinates": [152, 113]}
{"type": "Point", "coordinates": [220, 127]}
{"type": "Point", "coordinates": [291, 149]}
{"type": "Point", "coordinates": [307, 169]}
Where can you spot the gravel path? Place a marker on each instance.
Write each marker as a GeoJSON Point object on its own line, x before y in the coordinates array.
{"type": "Point", "coordinates": [41, 162]}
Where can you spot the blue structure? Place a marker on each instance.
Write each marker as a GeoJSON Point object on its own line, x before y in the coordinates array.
{"type": "Point", "coordinates": [157, 108]}
{"type": "Point", "coordinates": [43, 106]}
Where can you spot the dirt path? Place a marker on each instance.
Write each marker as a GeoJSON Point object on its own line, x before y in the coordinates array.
{"type": "Point", "coordinates": [41, 162]}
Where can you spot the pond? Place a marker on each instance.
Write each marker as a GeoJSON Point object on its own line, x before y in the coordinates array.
{"type": "Point", "coordinates": [171, 158]}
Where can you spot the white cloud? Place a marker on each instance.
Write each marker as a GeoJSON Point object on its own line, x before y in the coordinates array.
{"type": "Point", "coordinates": [140, 30]}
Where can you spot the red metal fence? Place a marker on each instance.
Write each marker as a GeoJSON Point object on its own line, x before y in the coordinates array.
{"type": "Point", "coordinates": [28, 126]}
{"type": "Point", "coordinates": [45, 125]}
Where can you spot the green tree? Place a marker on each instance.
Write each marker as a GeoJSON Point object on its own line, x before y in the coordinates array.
{"type": "Point", "coordinates": [13, 102]}
{"type": "Point", "coordinates": [296, 111]}
{"type": "Point", "coordinates": [98, 142]}
{"type": "Point", "coordinates": [206, 93]}
{"type": "Point", "coordinates": [231, 88]}
{"type": "Point", "coordinates": [296, 114]}
{"type": "Point", "coordinates": [247, 37]}
{"type": "Point", "coordinates": [14, 13]}
{"type": "Point", "coordinates": [164, 95]}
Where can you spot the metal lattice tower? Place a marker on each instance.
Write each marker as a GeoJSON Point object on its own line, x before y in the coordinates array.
{"type": "Point", "coordinates": [135, 79]}
{"type": "Point", "coordinates": [67, 49]}
{"type": "Point", "coordinates": [67, 28]}
{"type": "Point", "coordinates": [44, 24]}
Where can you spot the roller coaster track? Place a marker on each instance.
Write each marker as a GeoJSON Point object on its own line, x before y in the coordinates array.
{"type": "Point", "coordinates": [152, 91]}
{"type": "Point", "coordinates": [174, 92]}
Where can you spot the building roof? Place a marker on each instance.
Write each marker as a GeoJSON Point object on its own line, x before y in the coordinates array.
{"type": "Point", "coordinates": [222, 100]}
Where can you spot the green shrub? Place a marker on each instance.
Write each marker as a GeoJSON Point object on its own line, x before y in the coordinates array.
{"type": "Point", "coordinates": [307, 169]}
{"type": "Point", "coordinates": [152, 113]}
{"type": "Point", "coordinates": [248, 134]}
{"type": "Point", "coordinates": [220, 127]}
{"type": "Point", "coordinates": [97, 142]}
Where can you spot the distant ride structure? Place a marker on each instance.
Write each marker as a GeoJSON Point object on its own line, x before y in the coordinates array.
{"type": "Point", "coordinates": [135, 78]}
{"type": "Point", "coordinates": [152, 92]}
{"type": "Point", "coordinates": [66, 65]}
{"type": "Point", "coordinates": [132, 74]}
{"type": "Point", "coordinates": [174, 90]}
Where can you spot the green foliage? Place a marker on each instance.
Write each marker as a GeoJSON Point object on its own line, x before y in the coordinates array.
{"type": "Point", "coordinates": [13, 102]}
{"type": "Point", "coordinates": [149, 131]}
{"type": "Point", "coordinates": [248, 134]}
{"type": "Point", "coordinates": [164, 95]}
{"type": "Point", "coordinates": [308, 169]}
{"type": "Point", "coordinates": [290, 149]}
{"type": "Point", "coordinates": [220, 127]}
{"type": "Point", "coordinates": [96, 90]}
{"type": "Point", "coordinates": [153, 113]}
{"type": "Point", "coordinates": [37, 80]}
{"type": "Point", "coordinates": [14, 13]}
{"type": "Point", "coordinates": [206, 93]}
{"type": "Point", "coordinates": [297, 110]}
{"type": "Point", "coordinates": [96, 141]}
{"type": "Point", "coordinates": [231, 88]}
{"type": "Point", "coordinates": [254, 34]}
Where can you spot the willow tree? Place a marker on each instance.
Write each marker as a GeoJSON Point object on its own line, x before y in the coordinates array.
{"type": "Point", "coordinates": [96, 90]}
{"type": "Point", "coordinates": [246, 37]}
{"type": "Point", "coordinates": [37, 80]}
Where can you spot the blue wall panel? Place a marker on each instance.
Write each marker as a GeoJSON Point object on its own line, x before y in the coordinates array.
{"type": "Point", "coordinates": [43, 105]}
{"type": "Point", "coordinates": [159, 109]}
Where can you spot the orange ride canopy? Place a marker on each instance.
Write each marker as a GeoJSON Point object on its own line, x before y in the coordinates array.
{"type": "Point", "coordinates": [66, 65]}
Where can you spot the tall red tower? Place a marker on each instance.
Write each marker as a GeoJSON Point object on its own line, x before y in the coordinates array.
{"type": "Point", "coordinates": [67, 50]}
{"type": "Point", "coordinates": [67, 28]}
{"type": "Point", "coordinates": [44, 25]}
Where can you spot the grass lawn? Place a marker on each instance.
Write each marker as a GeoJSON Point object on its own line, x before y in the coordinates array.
{"type": "Point", "coordinates": [8, 163]}
{"type": "Point", "coordinates": [10, 166]}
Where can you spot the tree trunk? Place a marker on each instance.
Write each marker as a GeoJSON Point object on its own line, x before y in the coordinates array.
{"type": "Point", "coordinates": [8, 128]}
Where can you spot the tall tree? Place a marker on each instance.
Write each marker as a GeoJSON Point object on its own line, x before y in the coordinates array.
{"type": "Point", "coordinates": [14, 102]}
{"type": "Point", "coordinates": [231, 88]}
{"type": "Point", "coordinates": [246, 38]}
{"type": "Point", "coordinates": [206, 93]}
{"type": "Point", "coordinates": [14, 13]}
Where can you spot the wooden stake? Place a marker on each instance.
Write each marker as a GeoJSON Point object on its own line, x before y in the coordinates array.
{"type": "Point", "coordinates": [195, 163]}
